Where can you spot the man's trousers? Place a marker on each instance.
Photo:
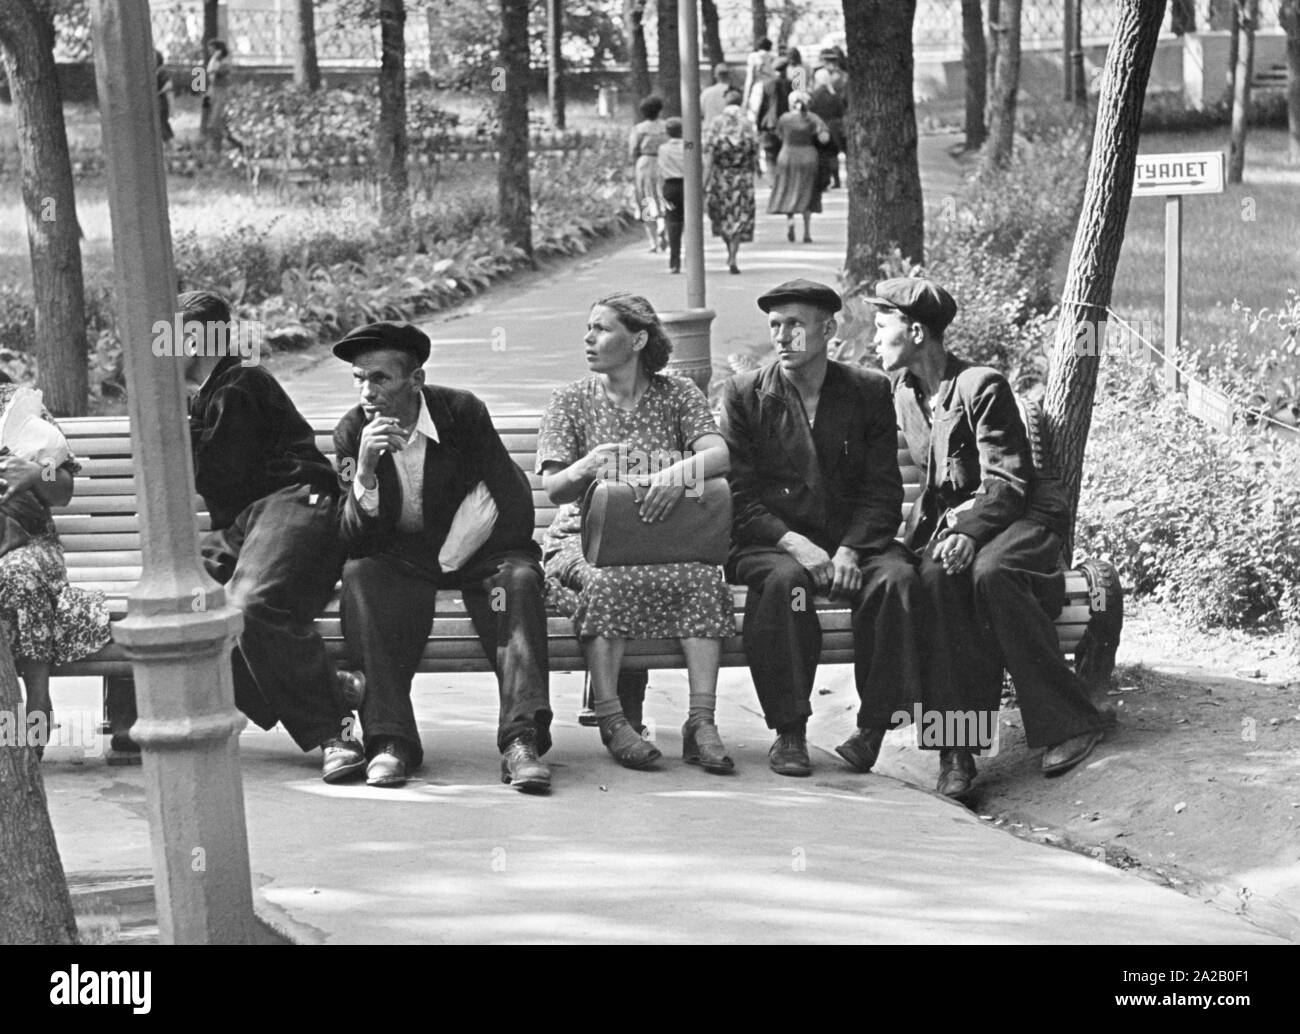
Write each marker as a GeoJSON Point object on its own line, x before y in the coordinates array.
{"type": "Point", "coordinates": [999, 613]}
{"type": "Point", "coordinates": [388, 609]}
{"type": "Point", "coordinates": [280, 561]}
{"type": "Point", "coordinates": [783, 637]}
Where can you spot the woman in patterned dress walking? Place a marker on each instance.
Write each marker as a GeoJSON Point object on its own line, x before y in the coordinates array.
{"type": "Point", "coordinates": [731, 154]}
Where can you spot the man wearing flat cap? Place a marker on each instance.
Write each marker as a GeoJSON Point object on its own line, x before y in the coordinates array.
{"type": "Point", "coordinates": [817, 497]}
{"type": "Point", "coordinates": [273, 543]}
{"type": "Point", "coordinates": [989, 529]}
{"type": "Point", "coordinates": [434, 501]}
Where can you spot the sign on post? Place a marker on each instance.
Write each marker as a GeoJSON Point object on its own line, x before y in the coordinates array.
{"type": "Point", "coordinates": [1171, 176]}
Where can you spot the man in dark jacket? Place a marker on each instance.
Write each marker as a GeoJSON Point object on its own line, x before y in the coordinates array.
{"type": "Point", "coordinates": [434, 501]}
{"type": "Point", "coordinates": [817, 497]}
{"type": "Point", "coordinates": [274, 539]}
{"type": "Point", "coordinates": [989, 529]}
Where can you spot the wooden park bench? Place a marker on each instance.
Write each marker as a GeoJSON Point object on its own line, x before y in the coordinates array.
{"type": "Point", "coordinates": [101, 541]}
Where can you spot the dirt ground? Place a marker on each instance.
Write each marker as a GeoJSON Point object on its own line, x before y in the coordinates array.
{"type": "Point", "coordinates": [1196, 786]}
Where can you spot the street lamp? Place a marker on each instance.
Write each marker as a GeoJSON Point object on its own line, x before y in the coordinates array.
{"type": "Point", "coordinates": [178, 630]}
{"type": "Point", "coordinates": [689, 328]}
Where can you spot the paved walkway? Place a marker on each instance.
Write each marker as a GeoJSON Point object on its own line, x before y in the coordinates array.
{"type": "Point", "coordinates": [514, 345]}
{"type": "Point", "coordinates": [626, 857]}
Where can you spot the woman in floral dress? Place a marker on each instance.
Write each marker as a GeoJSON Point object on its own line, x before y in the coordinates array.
{"type": "Point", "coordinates": [731, 153]}
{"type": "Point", "coordinates": [643, 145]}
{"type": "Point", "coordinates": [627, 407]}
{"type": "Point", "coordinates": [45, 620]}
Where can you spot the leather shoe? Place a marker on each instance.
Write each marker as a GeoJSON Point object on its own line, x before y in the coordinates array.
{"type": "Point", "coordinates": [341, 758]}
{"type": "Point", "coordinates": [388, 766]}
{"type": "Point", "coordinates": [522, 768]}
{"type": "Point", "coordinates": [1068, 753]}
{"type": "Point", "coordinates": [352, 688]}
{"type": "Point", "coordinates": [862, 748]}
{"type": "Point", "coordinates": [789, 755]}
{"type": "Point", "coordinates": [701, 745]}
{"type": "Point", "coordinates": [956, 772]}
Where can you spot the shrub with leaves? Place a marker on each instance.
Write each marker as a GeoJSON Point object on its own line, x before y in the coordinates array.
{"type": "Point", "coordinates": [1206, 521]}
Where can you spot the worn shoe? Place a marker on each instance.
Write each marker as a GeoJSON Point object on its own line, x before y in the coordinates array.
{"type": "Point", "coordinates": [388, 766]}
{"type": "Point", "coordinates": [862, 748]}
{"type": "Point", "coordinates": [340, 759]}
{"type": "Point", "coordinates": [522, 768]}
{"type": "Point", "coordinates": [352, 688]}
{"type": "Point", "coordinates": [956, 772]}
{"type": "Point", "coordinates": [626, 744]}
{"type": "Point", "coordinates": [701, 745]}
{"type": "Point", "coordinates": [1068, 753]}
{"type": "Point", "coordinates": [789, 755]}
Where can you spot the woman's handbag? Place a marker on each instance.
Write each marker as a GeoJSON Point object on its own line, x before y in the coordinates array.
{"type": "Point", "coordinates": [698, 530]}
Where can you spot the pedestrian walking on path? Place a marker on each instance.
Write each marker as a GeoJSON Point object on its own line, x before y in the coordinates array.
{"type": "Point", "coordinates": [798, 165]}
{"type": "Point", "coordinates": [731, 155]}
{"type": "Point", "coordinates": [643, 151]}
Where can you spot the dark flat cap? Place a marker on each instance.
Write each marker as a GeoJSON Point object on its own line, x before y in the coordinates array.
{"type": "Point", "coordinates": [917, 298]}
{"type": "Point", "coordinates": [402, 337]}
{"type": "Point", "coordinates": [807, 291]}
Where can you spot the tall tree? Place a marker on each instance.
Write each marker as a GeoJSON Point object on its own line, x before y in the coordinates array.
{"type": "Point", "coordinates": [670, 58]}
{"type": "Point", "coordinates": [306, 67]}
{"type": "Point", "coordinates": [974, 56]}
{"type": "Point", "coordinates": [514, 195]}
{"type": "Point", "coordinates": [211, 23]}
{"type": "Point", "coordinates": [1072, 382]}
{"type": "Point", "coordinates": [1289, 16]}
{"type": "Point", "coordinates": [758, 19]}
{"type": "Point", "coordinates": [991, 60]}
{"type": "Point", "coordinates": [555, 60]}
{"type": "Point", "coordinates": [1006, 86]}
{"type": "Point", "coordinates": [638, 59]}
{"type": "Point", "coordinates": [712, 35]}
{"type": "Point", "coordinates": [790, 13]}
{"type": "Point", "coordinates": [885, 207]}
{"type": "Point", "coordinates": [35, 907]}
{"type": "Point", "coordinates": [1247, 15]}
{"type": "Point", "coordinates": [53, 233]}
{"type": "Point", "coordinates": [394, 197]}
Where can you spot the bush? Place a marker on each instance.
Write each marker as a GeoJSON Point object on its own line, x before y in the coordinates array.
{"type": "Point", "coordinates": [1169, 113]}
{"type": "Point", "coordinates": [994, 249]}
{"type": "Point", "coordinates": [1202, 520]}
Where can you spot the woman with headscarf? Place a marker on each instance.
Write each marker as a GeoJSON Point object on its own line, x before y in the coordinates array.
{"type": "Point", "coordinates": [795, 191]}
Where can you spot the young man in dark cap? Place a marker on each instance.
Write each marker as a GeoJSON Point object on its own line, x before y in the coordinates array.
{"type": "Point", "coordinates": [818, 497]}
{"type": "Point", "coordinates": [274, 541]}
{"type": "Point", "coordinates": [989, 530]}
{"type": "Point", "coordinates": [434, 501]}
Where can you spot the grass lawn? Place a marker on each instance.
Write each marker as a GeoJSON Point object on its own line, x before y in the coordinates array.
{"type": "Point", "coordinates": [1243, 244]}
{"type": "Point", "coordinates": [214, 201]}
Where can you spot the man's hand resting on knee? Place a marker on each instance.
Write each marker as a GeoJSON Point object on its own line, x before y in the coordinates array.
{"type": "Point", "coordinates": [811, 557]}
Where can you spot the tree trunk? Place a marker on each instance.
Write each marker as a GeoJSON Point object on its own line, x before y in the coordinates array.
{"type": "Point", "coordinates": [514, 196]}
{"type": "Point", "coordinates": [1182, 17]}
{"type": "Point", "coordinates": [1289, 16]}
{"type": "Point", "coordinates": [712, 37]}
{"type": "Point", "coordinates": [670, 58]}
{"type": "Point", "coordinates": [791, 12]}
{"type": "Point", "coordinates": [394, 200]}
{"type": "Point", "coordinates": [974, 56]}
{"type": "Point", "coordinates": [638, 60]}
{"type": "Point", "coordinates": [885, 207]}
{"type": "Point", "coordinates": [35, 907]}
{"type": "Point", "coordinates": [1248, 15]}
{"type": "Point", "coordinates": [1006, 85]}
{"type": "Point", "coordinates": [53, 233]}
{"type": "Point", "coordinates": [758, 13]}
{"type": "Point", "coordinates": [991, 60]}
{"type": "Point", "coordinates": [211, 24]}
{"type": "Point", "coordinates": [306, 68]}
{"type": "Point", "coordinates": [1072, 382]}
{"type": "Point", "coordinates": [1234, 49]}
{"type": "Point", "coordinates": [555, 60]}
